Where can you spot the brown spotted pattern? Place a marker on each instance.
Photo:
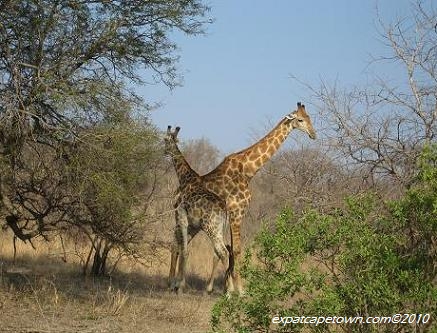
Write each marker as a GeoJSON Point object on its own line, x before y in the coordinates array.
{"type": "Point", "coordinates": [196, 209]}
{"type": "Point", "coordinates": [230, 179]}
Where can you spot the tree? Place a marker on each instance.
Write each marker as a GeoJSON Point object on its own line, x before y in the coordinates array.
{"type": "Point", "coordinates": [110, 181]}
{"type": "Point", "coordinates": [202, 155]}
{"type": "Point", "coordinates": [383, 128]}
{"type": "Point", "coordinates": [63, 63]}
{"type": "Point", "coordinates": [65, 68]}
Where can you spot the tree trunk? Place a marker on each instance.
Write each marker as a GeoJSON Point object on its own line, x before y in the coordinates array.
{"type": "Point", "coordinates": [101, 252]}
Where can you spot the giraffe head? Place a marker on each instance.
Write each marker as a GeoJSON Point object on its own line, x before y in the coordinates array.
{"type": "Point", "coordinates": [301, 120]}
{"type": "Point", "coordinates": [171, 138]}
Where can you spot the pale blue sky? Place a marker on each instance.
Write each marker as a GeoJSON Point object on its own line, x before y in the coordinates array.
{"type": "Point", "coordinates": [237, 77]}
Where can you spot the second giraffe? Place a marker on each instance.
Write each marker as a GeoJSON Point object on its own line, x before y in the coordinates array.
{"type": "Point", "coordinates": [196, 209]}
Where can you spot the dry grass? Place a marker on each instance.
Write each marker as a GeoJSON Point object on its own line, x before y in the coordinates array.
{"type": "Point", "coordinates": [42, 293]}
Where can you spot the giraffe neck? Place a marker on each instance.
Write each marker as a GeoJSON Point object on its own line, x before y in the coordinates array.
{"type": "Point", "coordinates": [255, 156]}
{"type": "Point", "coordinates": [183, 170]}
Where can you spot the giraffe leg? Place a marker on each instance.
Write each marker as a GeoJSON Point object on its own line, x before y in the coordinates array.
{"type": "Point", "coordinates": [229, 284]}
{"type": "Point", "coordinates": [175, 257]}
{"type": "Point", "coordinates": [192, 231]}
{"type": "Point", "coordinates": [182, 223]}
{"type": "Point", "coordinates": [175, 251]}
{"type": "Point", "coordinates": [173, 261]}
{"type": "Point", "coordinates": [210, 285]}
{"type": "Point", "coordinates": [215, 234]}
{"type": "Point", "coordinates": [182, 263]}
{"type": "Point", "coordinates": [223, 254]}
{"type": "Point", "coordinates": [236, 253]}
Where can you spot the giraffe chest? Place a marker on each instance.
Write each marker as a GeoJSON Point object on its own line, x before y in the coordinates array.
{"type": "Point", "coordinates": [196, 197]}
{"type": "Point", "coordinates": [201, 207]}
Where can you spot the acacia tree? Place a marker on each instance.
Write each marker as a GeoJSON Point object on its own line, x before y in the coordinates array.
{"type": "Point", "coordinates": [64, 66]}
{"type": "Point", "coordinates": [110, 181]}
{"type": "Point", "coordinates": [384, 127]}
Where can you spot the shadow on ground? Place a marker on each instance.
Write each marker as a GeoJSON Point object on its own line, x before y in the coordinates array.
{"type": "Point", "coordinates": [28, 274]}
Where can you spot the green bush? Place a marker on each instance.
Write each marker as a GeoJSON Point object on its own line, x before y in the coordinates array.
{"type": "Point", "coordinates": [111, 175]}
{"type": "Point", "coordinates": [372, 258]}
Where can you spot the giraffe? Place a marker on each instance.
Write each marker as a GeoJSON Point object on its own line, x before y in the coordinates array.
{"type": "Point", "coordinates": [196, 209]}
{"type": "Point", "coordinates": [230, 179]}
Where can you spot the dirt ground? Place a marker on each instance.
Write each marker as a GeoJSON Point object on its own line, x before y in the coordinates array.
{"type": "Point", "coordinates": [53, 303]}
{"type": "Point", "coordinates": [41, 294]}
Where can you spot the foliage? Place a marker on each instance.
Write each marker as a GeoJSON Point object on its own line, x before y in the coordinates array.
{"type": "Point", "coordinates": [66, 75]}
{"type": "Point", "coordinates": [368, 259]}
{"type": "Point", "coordinates": [111, 176]}
{"type": "Point", "coordinates": [98, 186]}
{"type": "Point", "coordinates": [64, 64]}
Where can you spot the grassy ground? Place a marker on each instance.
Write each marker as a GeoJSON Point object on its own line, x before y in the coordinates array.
{"type": "Point", "coordinates": [41, 293]}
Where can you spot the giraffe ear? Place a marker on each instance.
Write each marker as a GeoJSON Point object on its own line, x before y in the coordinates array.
{"type": "Point", "coordinates": [290, 116]}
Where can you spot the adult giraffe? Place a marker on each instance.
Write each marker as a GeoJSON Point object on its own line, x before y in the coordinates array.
{"type": "Point", "coordinates": [230, 179]}
{"type": "Point", "coordinates": [196, 209]}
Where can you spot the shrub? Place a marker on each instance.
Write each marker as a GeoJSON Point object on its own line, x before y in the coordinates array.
{"type": "Point", "coordinates": [372, 258]}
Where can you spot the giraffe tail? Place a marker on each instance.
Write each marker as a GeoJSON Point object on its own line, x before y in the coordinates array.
{"type": "Point", "coordinates": [231, 261]}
